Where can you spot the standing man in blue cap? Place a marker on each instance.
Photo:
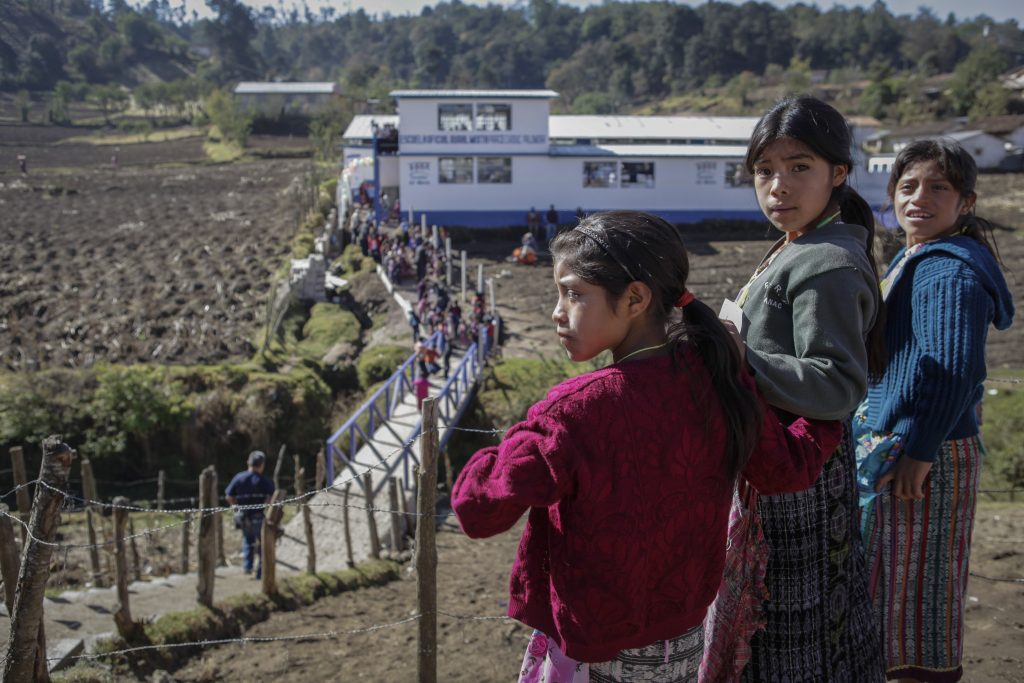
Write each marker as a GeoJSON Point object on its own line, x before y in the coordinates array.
{"type": "Point", "coordinates": [251, 488]}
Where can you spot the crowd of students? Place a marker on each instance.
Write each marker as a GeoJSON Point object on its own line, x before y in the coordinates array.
{"type": "Point", "coordinates": [846, 404]}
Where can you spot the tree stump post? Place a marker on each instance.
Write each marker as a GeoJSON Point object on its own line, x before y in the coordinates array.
{"type": "Point", "coordinates": [321, 470]}
{"type": "Point", "coordinates": [268, 542]}
{"type": "Point", "coordinates": [426, 547]}
{"type": "Point", "coordinates": [206, 547]}
{"type": "Point", "coordinates": [26, 650]}
{"type": "Point", "coordinates": [94, 550]}
{"type": "Point", "coordinates": [129, 629]}
{"type": "Point", "coordinates": [371, 521]}
{"type": "Point", "coordinates": [88, 483]}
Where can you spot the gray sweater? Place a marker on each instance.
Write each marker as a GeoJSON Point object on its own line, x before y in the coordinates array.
{"type": "Point", "coordinates": [805, 321]}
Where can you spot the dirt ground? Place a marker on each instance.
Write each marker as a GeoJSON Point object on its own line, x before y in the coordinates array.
{"type": "Point", "coordinates": [142, 264]}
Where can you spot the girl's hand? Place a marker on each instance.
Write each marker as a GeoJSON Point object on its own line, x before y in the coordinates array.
{"type": "Point", "coordinates": [907, 479]}
{"type": "Point", "coordinates": [737, 340]}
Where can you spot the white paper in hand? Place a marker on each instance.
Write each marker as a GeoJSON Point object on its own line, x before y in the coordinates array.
{"type": "Point", "coordinates": [732, 312]}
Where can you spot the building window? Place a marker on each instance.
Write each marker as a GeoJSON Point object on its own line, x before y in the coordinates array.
{"type": "Point", "coordinates": [707, 172]}
{"type": "Point", "coordinates": [455, 117]}
{"type": "Point", "coordinates": [637, 174]}
{"type": "Point", "coordinates": [599, 174]}
{"type": "Point", "coordinates": [455, 170]}
{"type": "Point", "coordinates": [494, 170]}
{"type": "Point", "coordinates": [736, 175]}
{"type": "Point", "coordinates": [493, 117]}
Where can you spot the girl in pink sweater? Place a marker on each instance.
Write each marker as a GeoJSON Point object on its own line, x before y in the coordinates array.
{"type": "Point", "coordinates": [628, 472]}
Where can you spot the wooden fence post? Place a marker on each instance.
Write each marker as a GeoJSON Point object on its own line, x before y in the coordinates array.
{"type": "Point", "coordinates": [396, 517]}
{"type": "Point", "coordinates": [206, 547]}
{"type": "Point", "coordinates": [307, 521]}
{"type": "Point", "coordinates": [277, 467]}
{"type": "Point", "coordinates": [94, 550]}
{"type": "Point", "coordinates": [136, 564]}
{"type": "Point", "coordinates": [186, 532]}
{"type": "Point", "coordinates": [371, 521]}
{"type": "Point", "coordinates": [348, 530]}
{"type": "Point", "coordinates": [24, 503]}
{"type": "Point", "coordinates": [26, 649]}
{"type": "Point", "coordinates": [426, 547]}
{"type": "Point", "coordinates": [130, 630]}
{"type": "Point", "coordinates": [321, 470]}
{"type": "Point", "coordinates": [268, 542]}
{"type": "Point", "coordinates": [9, 560]}
{"type": "Point", "coordinates": [160, 484]}
{"type": "Point", "coordinates": [89, 493]}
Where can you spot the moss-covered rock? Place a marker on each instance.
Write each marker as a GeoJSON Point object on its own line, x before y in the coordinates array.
{"type": "Point", "coordinates": [380, 362]}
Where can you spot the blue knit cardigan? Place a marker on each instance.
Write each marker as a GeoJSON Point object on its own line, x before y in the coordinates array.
{"type": "Point", "coordinates": [937, 319]}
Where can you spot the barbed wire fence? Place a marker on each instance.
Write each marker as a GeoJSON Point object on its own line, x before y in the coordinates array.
{"type": "Point", "coordinates": [56, 488]}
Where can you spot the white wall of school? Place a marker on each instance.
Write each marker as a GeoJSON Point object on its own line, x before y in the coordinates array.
{"type": "Point", "coordinates": [419, 133]}
{"type": "Point", "coordinates": [690, 184]}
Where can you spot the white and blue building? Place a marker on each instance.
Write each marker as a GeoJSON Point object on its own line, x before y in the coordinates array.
{"type": "Point", "coordinates": [483, 158]}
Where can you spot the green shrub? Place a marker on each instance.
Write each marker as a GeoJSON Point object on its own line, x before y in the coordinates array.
{"type": "Point", "coordinates": [353, 261]}
{"type": "Point", "coordinates": [327, 325]}
{"type": "Point", "coordinates": [1001, 429]}
{"type": "Point", "coordinates": [380, 362]}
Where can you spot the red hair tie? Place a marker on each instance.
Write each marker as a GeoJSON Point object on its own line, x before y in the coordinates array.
{"type": "Point", "coordinates": [685, 299]}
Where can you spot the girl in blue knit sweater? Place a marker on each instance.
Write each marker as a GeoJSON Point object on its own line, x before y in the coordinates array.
{"type": "Point", "coordinates": [942, 292]}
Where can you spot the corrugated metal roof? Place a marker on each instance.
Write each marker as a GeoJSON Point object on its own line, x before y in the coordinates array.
{"type": "Point", "coordinates": [360, 127]}
{"type": "Point", "coordinates": [692, 151]}
{"type": "Point", "coordinates": [477, 94]}
{"type": "Point", "coordinates": [301, 88]}
{"type": "Point", "coordinates": [736, 128]}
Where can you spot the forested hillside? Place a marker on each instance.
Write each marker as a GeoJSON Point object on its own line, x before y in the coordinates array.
{"type": "Point", "coordinates": [611, 57]}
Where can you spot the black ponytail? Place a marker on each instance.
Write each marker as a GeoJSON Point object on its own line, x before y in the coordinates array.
{"type": "Point", "coordinates": [701, 328]}
{"type": "Point", "coordinates": [614, 248]}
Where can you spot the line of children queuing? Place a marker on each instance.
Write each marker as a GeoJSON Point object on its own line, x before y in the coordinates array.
{"type": "Point", "coordinates": [628, 473]}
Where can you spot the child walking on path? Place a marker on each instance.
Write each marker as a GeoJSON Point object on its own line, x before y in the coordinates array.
{"type": "Point", "coordinates": [808, 319]}
{"type": "Point", "coordinates": [942, 292]}
{"type": "Point", "coordinates": [628, 472]}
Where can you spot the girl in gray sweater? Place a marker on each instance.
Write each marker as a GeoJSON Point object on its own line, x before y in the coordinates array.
{"type": "Point", "coordinates": [810, 315]}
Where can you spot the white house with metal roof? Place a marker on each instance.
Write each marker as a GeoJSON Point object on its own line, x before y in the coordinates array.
{"type": "Point", "coordinates": [276, 98]}
{"type": "Point", "coordinates": [483, 158]}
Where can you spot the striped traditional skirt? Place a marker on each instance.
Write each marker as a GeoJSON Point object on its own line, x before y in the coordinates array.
{"type": "Point", "coordinates": [918, 554]}
{"type": "Point", "coordinates": [820, 627]}
{"type": "Point", "coordinates": [666, 661]}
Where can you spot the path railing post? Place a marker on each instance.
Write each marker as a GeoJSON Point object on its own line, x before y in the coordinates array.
{"type": "Point", "coordinates": [426, 547]}
{"type": "Point", "coordinates": [26, 648]}
{"type": "Point", "coordinates": [206, 547]}
{"type": "Point", "coordinates": [129, 629]}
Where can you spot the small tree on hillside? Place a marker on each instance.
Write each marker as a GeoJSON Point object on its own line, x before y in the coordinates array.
{"type": "Point", "coordinates": [109, 98]}
{"type": "Point", "coordinates": [224, 113]}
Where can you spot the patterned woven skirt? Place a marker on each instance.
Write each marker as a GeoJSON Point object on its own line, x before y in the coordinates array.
{"type": "Point", "coordinates": [820, 625]}
{"type": "Point", "coordinates": [918, 555]}
{"type": "Point", "coordinates": [666, 661]}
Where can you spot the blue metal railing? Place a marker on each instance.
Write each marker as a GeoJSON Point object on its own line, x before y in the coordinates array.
{"type": "Point", "coordinates": [358, 430]}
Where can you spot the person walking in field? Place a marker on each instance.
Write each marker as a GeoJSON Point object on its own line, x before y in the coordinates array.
{"type": "Point", "coordinates": [250, 488]}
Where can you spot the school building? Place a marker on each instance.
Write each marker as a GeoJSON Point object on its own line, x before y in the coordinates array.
{"type": "Point", "coordinates": [483, 158]}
